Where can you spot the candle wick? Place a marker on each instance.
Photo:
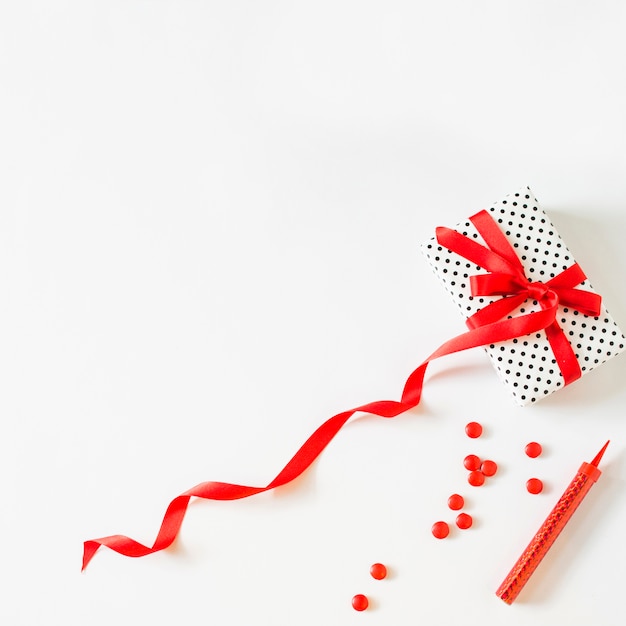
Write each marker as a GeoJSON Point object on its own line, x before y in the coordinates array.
{"type": "Point", "coordinates": [598, 457]}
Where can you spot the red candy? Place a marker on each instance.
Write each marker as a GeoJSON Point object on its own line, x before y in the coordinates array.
{"type": "Point", "coordinates": [378, 571]}
{"type": "Point", "coordinates": [476, 478]}
{"type": "Point", "coordinates": [471, 462]}
{"type": "Point", "coordinates": [456, 502]}
{"type": "Point", "coordinates": [440, 530]}
{"type": "Point", "coordinates": [463, 521]}
{"type": "Point", "coordinates": [534, 486]}
{"type": "Point", "coordinates": [489, 468]}
{"type": "Point", "coordinates": [533, 449]}
{"type": "Point", "coordinates": [473, 430]}
{"type": "Point", "coordinates": [360, 602]}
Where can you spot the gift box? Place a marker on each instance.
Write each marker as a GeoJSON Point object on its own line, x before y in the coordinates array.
{"type": "Point", "coordinates": [513, 278]}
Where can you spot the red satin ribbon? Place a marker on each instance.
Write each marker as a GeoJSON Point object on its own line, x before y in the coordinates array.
{"type": "Point", "coordinates": [486, 327]}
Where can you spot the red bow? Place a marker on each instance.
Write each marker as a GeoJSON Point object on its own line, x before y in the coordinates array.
{"type": "Point", "coordinates": [507, 278]}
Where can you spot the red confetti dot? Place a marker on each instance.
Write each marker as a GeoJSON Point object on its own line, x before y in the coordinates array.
{"type": "Point", "coordinates": [463, 520]}
{"type": "Point", "coordinates": [456, 502]}
{"type": "Point", "coordinates": [474, 430]}
{"type": "Point", "coordinates": [360, 602]}
{"type": "Point", "coordinates": [533, 449]}
{"type": "Point", "coordinates": [534, 485]}
{"type": "Point", "coordinates": [471, 462]}
{"type": "Point", "coordinates": [440, 530]}
{"type": "Point", "coordinates": [378, 571]}
{"type": "Point", "coordinates": [476, 478]}
{"type": "Point", "coordinates": [489, 468]}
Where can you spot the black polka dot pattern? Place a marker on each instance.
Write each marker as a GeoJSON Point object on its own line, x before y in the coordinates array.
{"type": "Point", "coordinates": [527, 365]}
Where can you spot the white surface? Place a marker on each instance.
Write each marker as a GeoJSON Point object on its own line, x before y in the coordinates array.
{"type": "Point", "coordinates": [209, 240]}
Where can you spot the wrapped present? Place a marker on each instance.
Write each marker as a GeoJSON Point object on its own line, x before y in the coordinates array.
{"type": "Point", "coordinates": [513, 278]}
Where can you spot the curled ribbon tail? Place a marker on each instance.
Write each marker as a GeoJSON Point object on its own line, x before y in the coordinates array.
{"type": "Point", "coordinates": [491, 324]}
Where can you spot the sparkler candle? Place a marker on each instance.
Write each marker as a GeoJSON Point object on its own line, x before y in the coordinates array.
{"type": "Point", "coordinates": [550, 529]}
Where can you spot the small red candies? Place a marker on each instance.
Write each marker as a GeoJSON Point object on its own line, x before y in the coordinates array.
{"type": "Point", "coordinates": [440, 530]}
{"type": "Point", "coordinates": [464, 521]}
{"type": "Point", "coordinates": [360, 602]}
{"type": "Point", "coordinates": [476, 478]}
{"type": "Point", "coordinates": [489, 468]}
{"type": "Point", "coordinates": [378, 571]}
{"type": "Point", "coordinates": [473, 430]}
{"type": "Point", "coordinates": [533, 449]}
{"type": "Point", "coordinates": [471, 462]}
{"type": "Point", "coordinates": [534, 485]}
{"type": "Point", "coordinates": [456, 502]}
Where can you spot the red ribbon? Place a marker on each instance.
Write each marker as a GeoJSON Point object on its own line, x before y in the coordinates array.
{"type": "Point", "coordinates": [506, 278]}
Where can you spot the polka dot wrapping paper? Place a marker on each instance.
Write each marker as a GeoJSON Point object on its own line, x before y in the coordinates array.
{"type": "Point", "coordinates": [527, 364]}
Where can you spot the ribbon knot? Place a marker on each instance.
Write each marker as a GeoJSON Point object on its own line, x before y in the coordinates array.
{"type": "Point", "coordinates": [537, 291]}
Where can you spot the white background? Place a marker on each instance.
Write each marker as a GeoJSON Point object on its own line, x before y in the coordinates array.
{"type": "Point", "coordinates": [210, 218]}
